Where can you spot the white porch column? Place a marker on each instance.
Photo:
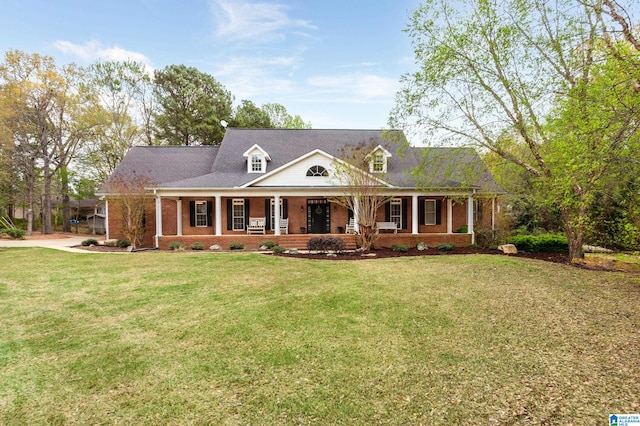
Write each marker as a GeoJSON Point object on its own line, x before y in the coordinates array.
{"type": "Point", "coordinates": [158, 219]}
{"type": "Point", "coordinates": [218, 215]}
{"type": "Point", "coordinates": [414, 214]}
{"type": "Point", "coordinates": [106, 219]}
{"type": "Point", "coordinates": [470, 218]}
{"type": "Point", "coordinates": [179, 216]}
{"type": "Point", "coordinates": [449, 216]}
{"type": "Point", "coordinates": [356, 215]}
{"type": "Point", "coordinates": [276, 214]}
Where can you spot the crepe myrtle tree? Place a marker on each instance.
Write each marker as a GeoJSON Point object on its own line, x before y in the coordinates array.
{"type": "Point", "coordinates": [362, 191]}
{"type": "Point", "coordinates": [129, 193]}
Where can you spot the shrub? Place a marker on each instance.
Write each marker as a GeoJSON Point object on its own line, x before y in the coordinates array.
{"type": "Point", "coordinates": [123, 243]}
{"type": "Point", "coordinates": [446, 246]}
{"type": "Point", "coordinates": [545, 243]}
{"type": "Point", "coordinates": [14, 233]}
{"type": "Point", "coordinates": [473, 246]}
{"type": "Point", "coordinates": [401, 248]}
{"type": "Point", "coordinates": [197, 246]}
{"type": "Point", "coordinates": [462, 230]}
{"type": "Point", "coordinates": [176, 245]}
{"type": "Point", "coordinates": [279, 250]}
{"type": "Point", "coordinates": [325, 244]}
{"type": "Point", "coordinates": [89, 242]}
{"type": "Point", "coordinates": [486, 237]}
{"type": "Point", "coordinates": [268, 244]}
{"type": "Point", "coordinates": [236, 246]}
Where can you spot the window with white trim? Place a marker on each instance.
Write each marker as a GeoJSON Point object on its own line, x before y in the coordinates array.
{"type": "Point", "coordinates": [429, 212]}
{"type": "Point", "coordinates": [379, 162]}
{"type": "Point", "coordinates": [257, 163]}
{"type": "Point", "coordinates": [395, 212]}
{"type": "Point", "coordinates": [238, 214]}
{"type": "Point", "coordinates": [201, 213]}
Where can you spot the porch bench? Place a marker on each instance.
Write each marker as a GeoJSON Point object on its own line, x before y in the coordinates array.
{"type": "Point", "coordinates": [386, 226]}
{"type": "Point", "coordinates": [256, 225]}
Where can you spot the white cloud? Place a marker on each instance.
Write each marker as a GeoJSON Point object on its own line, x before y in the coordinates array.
{"type": "Point", "coordinates": [258, 22]}
{"type": "Point", "coordinates": [94, 50]}
{"type": "Point", "coordinates": [357, 87]}
{"type": "Point", "coordinates": [249, 77]}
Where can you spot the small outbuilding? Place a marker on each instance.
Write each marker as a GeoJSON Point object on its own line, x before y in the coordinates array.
{"type": "Point", "coordinates": [96, 223]}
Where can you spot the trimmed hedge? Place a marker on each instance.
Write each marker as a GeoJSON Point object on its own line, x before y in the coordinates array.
{"type": "Point", "coordinates": [325, 244]}
{"type": "Point", "coordinates": [176, 245]}
{"type": "Point", "coordinates": [446, 246]}
{"type": "Point", "coordinates": [543, 243]}
{"type": "Point", "coordinates": [401, 248]}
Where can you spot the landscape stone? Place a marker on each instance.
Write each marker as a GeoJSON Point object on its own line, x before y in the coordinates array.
{"type": "Point", "coordinates": [508, 249]}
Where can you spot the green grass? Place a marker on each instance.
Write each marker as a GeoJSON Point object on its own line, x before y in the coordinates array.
{"type": "Point", "coordinates": [240, 338]}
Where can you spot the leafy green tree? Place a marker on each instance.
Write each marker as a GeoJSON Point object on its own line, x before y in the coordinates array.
{"type": "Point", "coordinates": [281, 119]}
{"type": "Point", "coordinates": [191, 107]}
{"type": "Point", "coordinates": [122, 114]}
{"type": "Point", "coordinates": [248, 115]}
{"type": "Point", "coordinates": [536, 73]}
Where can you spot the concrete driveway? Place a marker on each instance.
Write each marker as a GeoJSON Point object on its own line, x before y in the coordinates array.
{"type": "Point", "coordinates": [65, 244]}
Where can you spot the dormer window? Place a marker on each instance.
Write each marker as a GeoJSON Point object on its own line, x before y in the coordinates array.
{"type": "Point", "coordinates": [378, 162]}
{"type": "Point", "coordinates": [378, 159]}
{"type": "Point", "coordinates": [257, 164]}
{"type": "Point", "coordinates": [256, 159]}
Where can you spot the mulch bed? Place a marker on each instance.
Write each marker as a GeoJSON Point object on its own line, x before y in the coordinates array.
{"type": "Point", "coordinates": [384, 253]}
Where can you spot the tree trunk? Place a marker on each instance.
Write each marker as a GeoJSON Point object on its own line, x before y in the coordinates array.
{"type": "Point", "coordinates": [46, 202]}
{"type": "Point", "coordinates": [367, 235]}
{"type": "Point", "coordinates": [66, 209]}
{"type": "Point", "coordinates": [575, 235]}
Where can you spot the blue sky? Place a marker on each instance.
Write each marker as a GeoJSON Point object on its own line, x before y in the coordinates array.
{"type": "Point", "coordinates": [335, 63]}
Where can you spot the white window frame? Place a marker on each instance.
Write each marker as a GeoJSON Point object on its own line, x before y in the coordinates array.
{"type": "Point", "coordinates": [256, 163]}
{"type": "Point", "coordinates": [237, 214]}
{"type": "Point", "coordinates": [379, 162]}
{"type": "Point", "coordinates": [317, 171]}
{"type": "Point", "coordinates": [395, 212]}
{"type": "Point", "coordinates": [272, 213]}
{"type": "Point", "coordinates": [430, 210]}
{"type": "Point", "coordinates": [201, 214]}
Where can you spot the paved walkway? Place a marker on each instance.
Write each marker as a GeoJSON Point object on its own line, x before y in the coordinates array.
{"type": "Point", "coordinates": [65, 244]}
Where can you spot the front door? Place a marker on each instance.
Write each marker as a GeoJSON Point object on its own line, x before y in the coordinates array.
{"type": "Point", "coordinates": [318, 217]}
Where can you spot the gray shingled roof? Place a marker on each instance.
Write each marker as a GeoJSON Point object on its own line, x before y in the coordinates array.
{"type": "Point", "coordinates": [225, 166]}
{"type": "Point", "coordinates": [164, 164]}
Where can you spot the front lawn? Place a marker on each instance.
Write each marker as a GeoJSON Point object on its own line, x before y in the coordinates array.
{"type": "Point", "coordinates": [239, 338]}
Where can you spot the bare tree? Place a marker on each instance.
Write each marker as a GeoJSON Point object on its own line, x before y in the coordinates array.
{"type": "Point", "coordinates": [130, 193]}
{"type": "Point", "coordinates": [363, 191]}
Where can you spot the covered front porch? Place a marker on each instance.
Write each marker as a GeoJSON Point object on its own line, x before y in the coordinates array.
{"type": "Point", "coordinates": [222, 219]}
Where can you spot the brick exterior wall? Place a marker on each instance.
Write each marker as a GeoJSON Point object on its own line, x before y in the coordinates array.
{"type": "Point", "coordinates": [297, 214]}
